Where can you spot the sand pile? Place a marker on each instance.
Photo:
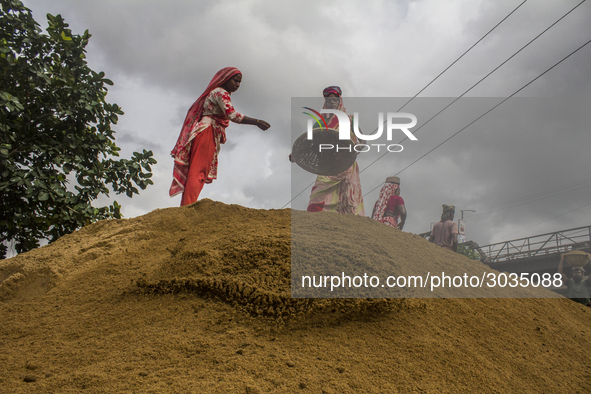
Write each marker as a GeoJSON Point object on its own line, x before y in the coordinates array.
{"type": "Point", "coordinates": [242, 257]}
{"type": "Point", "coordinates": [198, 300]}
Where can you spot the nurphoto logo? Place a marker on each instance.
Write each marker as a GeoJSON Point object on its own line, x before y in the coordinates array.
{"type": "Point", "coordinates": [392, 123]}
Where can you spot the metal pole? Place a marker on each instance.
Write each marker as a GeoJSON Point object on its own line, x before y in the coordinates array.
{"type": "Point", "coordinates": [465, 210]}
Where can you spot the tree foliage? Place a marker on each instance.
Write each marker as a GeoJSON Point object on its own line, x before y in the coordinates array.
{"type": "Point", "coordinates": [57, 149]}
{"type": "Point", "coordinates": [468, 252]}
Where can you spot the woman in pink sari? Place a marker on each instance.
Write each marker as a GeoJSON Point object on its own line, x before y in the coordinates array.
{"type": "Point", "coordinates": [389, 208]}
{"type": "Point", "coordinates": [341, 192]}
{"type": "Point", "coordinates": [204, 130]}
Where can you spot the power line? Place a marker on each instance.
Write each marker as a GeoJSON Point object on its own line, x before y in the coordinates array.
{"type": "Point", "coordinates": [477, 119]}
{"type": "Point", "coordinates": [433, 80]}
{"type": "Point", "coordinates": [472, 87]}
{"type": "Point", "coordinates": [461, 56]}
{"type": "Point", "coordinates": [513, 94]}
{"type": "Point", "coordinates": [299, 194]}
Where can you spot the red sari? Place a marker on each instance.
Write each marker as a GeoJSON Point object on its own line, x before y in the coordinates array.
{"type": "Point", "coordinates": [196, 151]}
{"type": "Point", "coordinates": [379, 209]}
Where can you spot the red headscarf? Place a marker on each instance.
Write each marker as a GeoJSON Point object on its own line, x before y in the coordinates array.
{"type": "Point", "coordinates": [195, 112]}
{"type": "Point", "coordinates": [332, 89]}
{"type": "Point", "coordinates": [331, 119]}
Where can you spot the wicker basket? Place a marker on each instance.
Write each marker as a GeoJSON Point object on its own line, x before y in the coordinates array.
{"type": "Point", "coordinates": [576, 258]}
{"type": "Point", "coordinates": [306, 153]}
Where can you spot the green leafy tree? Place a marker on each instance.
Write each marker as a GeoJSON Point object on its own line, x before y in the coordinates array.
{"type": "Point", "coordinates": [468, 252]}
{"type": "Point", "coordinates": [57, 149]}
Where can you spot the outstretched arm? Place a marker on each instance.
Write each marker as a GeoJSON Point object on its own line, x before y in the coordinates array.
{"type": "Point", "coordinates": [222, 98]}
{"type": "Point", "coordinates": [261, 124]}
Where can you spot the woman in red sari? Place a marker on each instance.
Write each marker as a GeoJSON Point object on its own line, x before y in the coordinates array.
{"type": "Point", "coordinates": [390, 208]}
{"type": "Point", "coordinates": [204, 130]}
{"type": "Point", "coordinates": [341, 192]}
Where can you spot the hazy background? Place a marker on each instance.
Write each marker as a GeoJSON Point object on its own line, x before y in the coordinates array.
{"type": "Point", "coordinates": [523, 172]}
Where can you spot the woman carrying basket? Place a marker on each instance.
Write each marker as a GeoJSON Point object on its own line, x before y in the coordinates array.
{"type": "Point", "coordinates": [204, 130]}
{"type": "Point", "coordinates": [341, 192]}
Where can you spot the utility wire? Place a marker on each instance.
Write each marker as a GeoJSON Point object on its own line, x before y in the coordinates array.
{"type": "Point", "coordinates": [461, 56]}
{"type": "Point", "coordinates": [475, 120]}
{"type": "Point", "coordinates": [299, 194]}
{"type": "Point", "coordinates": [434, 79]}
{"type": "Point", "coordinates": [472, 87]}
{"type": "Point", "coordinates": [513, 94]}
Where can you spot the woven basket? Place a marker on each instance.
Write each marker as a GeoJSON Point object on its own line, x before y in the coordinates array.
{"type": "Point", "coordinates": [306, 153]}
{"type": "Point", "coordinates": [576, 258]}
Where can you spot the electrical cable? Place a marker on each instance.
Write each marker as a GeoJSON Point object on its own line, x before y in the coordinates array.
{"type": "Point", "coordinates": [472, 87]}
{"type": "Point", "coordinates": [481, 116]}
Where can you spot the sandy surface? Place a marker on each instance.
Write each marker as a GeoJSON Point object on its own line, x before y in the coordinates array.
{"type": "Point", "coordinates": [197, 300]}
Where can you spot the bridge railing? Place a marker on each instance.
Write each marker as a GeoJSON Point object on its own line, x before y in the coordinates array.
{"type": "Point", "coordinates": [538, 245]}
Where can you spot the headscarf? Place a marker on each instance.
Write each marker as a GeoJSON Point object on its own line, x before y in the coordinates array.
{"type": "Point", "coordinates": [448, 212]}
{"type": "Point", "coordinates": [332, 120]}
{"type": "Point", "coordinates": [388, 190]}
{"type": "Point", "coordinates": [332, 89]}
{"type": "Point", "coordinates": [194, 114]}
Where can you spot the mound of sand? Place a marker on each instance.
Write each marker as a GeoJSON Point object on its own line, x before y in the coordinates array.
{"type": "Point", "coordinates": [198, 300]}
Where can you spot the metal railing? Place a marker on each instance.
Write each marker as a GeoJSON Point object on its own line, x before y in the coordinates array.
{"type": "Point", "coordinates": [538, 245]}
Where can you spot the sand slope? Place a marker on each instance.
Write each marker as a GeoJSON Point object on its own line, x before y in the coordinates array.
{"type": "Point", "coordinates": [197, 300]}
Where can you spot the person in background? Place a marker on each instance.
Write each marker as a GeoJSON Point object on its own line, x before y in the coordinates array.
{"type": "Point", "coordinates": [341, 192]}
{"type": "Point", "coordinates": [579, 288]}
{"type": "Point", "coordinates": [204, 130]}
{"type": "Point", "coordinates": [389, 208]}
{"type": "Point", "coordinates": [445, 232]}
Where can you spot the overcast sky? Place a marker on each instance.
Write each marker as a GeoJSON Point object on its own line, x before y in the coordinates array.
{"type": "Point", "coordinates": [525, 168]}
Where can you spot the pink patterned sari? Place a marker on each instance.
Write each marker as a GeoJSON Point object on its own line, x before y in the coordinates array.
{"type": "Point", "coordinates": [389, 189]}
{"type": "Point", "coordinates": [342, 192]}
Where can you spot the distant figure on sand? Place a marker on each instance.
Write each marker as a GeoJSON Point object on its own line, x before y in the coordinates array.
{"type": "Point", "coordinates": [445, 232]}
{"type": "Point", "coordinates": [341, 192]}
{"type": "Point", "coordinates": [579, 288]}
{"type": "Point", "coordinates": [389, 208]}
{"type": "Point", "coordinates": [204, 130]}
